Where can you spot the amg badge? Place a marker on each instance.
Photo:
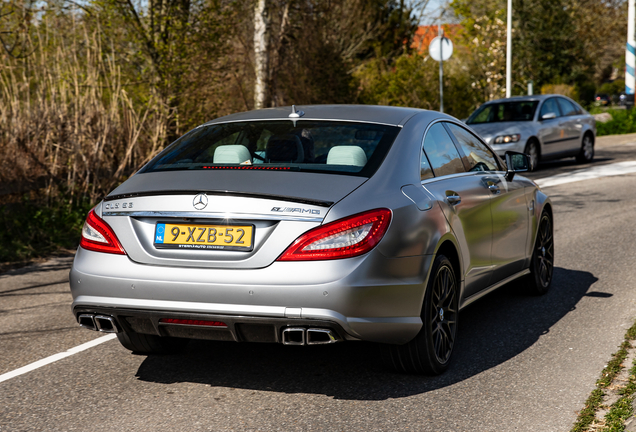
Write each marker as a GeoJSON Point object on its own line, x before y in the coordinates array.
{"type": "Point", "coordinates": [295, 210]}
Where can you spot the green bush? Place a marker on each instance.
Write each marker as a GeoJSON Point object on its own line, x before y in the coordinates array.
{"type": "Point", "coordinates": [623, 122]}
{"type": "Point", "coordinates": [31, 229]}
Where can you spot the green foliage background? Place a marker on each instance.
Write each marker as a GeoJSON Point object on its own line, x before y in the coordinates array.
{"type": "Point", "coordinates": [623, 122]}
{"type": "Point", "coordinates": [90, 91]}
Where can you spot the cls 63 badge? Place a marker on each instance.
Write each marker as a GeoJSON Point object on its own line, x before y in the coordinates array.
{"type": "Point", "coordinates": [117, 206]}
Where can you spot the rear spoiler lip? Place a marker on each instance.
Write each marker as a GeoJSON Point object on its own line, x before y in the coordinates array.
{"type": "Point", "coordinates": [319, 203]}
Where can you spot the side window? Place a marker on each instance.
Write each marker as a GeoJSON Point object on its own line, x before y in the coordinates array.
{"type": "Point", "coordinates": [550, 106]}
{"type": "Point", "coordinates": [478, 156]}
{"type": "Point", "coordinates": [566, 107]}
{"type": "Point", "coordinates": [426, 172]}
{"type": "Point", "coordinates": [579, 110]}
{"type": "Point", "coordinates": [441, 152]}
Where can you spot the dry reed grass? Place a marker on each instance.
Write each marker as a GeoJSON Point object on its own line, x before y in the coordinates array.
{"type": "Point", "coordinates": [67, 122]}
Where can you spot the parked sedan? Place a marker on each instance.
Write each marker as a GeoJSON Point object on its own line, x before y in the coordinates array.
{"type": "Point", "coordinates": [339, 223]}
{"type": "Point", "coordinates": [544, 127]}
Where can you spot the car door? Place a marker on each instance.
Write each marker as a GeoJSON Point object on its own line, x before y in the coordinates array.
{"type": "Point", "coordinates": [465, 202]}
{"type": "Point", "coordinates": [550, 133]}
{"type": "Point", "coordinates": [571, 123]}
{"type": "Point", "coordinates": [508, 205]}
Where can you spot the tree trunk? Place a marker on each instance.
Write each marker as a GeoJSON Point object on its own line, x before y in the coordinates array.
{"type": "Point", "coordinates": [261, 54]}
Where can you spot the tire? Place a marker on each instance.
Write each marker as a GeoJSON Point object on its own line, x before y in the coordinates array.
{"type": "Point", "coordinates": [430, 352]}
{"type": "Point", "coordinates": [587, 149]}
{"type": "Point", "coordinates": [534, 153]}
{"type": "Point", "coordinates": [151, 344]}
{"type": "Point", "coordinates": [542, 261]}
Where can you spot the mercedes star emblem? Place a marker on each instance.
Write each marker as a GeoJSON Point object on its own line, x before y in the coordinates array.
{"type": "Point", "coordinates": [200, 201]}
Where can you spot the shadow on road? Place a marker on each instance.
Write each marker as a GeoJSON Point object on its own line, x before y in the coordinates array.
{"type": "Point", "coordinates": [54, 264]}
{"type": "Point", "coordinates": [602, 156]}
{"type": "Point", "coordinates": [492, 331]}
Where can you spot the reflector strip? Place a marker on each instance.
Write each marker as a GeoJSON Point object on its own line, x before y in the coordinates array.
{"type": "Point", "coordinates": [193, 322]}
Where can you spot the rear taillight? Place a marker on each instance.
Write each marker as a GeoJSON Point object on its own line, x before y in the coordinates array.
{"type": "Point", "coordinates": [98, 236]}
{"type": "Point", "coordinates": [344, 238]}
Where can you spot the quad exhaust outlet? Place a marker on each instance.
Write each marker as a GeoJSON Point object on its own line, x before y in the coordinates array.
{"type": "Point", "coordinates": [311, 336]}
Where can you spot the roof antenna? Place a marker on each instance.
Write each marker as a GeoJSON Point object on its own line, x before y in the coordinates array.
{"type": "Point", "coordinates": [296, 114]}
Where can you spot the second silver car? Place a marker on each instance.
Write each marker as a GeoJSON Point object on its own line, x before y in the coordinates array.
{"type": "Point", "coordinates": [544, 127]}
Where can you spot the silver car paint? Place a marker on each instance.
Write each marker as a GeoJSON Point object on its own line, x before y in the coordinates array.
{"type": "Point", "coordinates": [375, 297]}
{"type": "Point", "coordinates": [135, 228]}
{"type": "Point", "coordinates": [291, 185]}
{"type": "Point", "coordinates": [544, 131]}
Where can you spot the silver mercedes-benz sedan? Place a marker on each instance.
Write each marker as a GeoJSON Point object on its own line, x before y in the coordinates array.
{"type": "Point", "coordinates": [339, 223]}
{"type": "Point", "coordinates": [544, 127]}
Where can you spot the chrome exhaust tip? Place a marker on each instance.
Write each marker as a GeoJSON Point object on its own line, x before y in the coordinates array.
{"type": "Point", "coordinates": [87, 321]}
{"type": "Point", "coordinates": [294, 336]}
{"type": "Point", "coordinates": [318, 336]}
{"type": "Point", "coordinates": [106, 324]}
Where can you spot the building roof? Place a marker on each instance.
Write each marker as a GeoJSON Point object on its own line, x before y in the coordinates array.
{"type": "Point", "coordinates": [425, 34]}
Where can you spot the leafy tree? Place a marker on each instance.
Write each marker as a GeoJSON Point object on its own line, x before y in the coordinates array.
{"type": "Point", "coordinates": [572, 42]}
{"type": "Point", "coordinates": [413, 80]}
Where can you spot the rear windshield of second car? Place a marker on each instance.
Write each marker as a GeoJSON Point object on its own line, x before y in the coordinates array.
{"type": "Point", "coordinates": [304, 145]}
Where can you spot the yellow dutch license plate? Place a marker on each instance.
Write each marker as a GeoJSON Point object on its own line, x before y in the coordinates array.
{"type": "Point", "coordinates": [206, 237]}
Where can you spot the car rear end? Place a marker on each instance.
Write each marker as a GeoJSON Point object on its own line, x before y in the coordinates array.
{"type": "Point", "coordinates": [228, 235]}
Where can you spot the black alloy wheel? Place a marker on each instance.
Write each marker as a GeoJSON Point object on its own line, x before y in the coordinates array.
{"type": "Point", "coordinates": [430, 352]}
{"type": "Point", "coordinates": [443, 313]}
{"type": "Point", "coordinates": [542, 264]}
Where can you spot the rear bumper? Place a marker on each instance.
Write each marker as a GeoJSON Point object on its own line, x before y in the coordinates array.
{"type": "Point", "coordinates": [235, 328]}
{"type": "Point", "coordinates": [371, 298]}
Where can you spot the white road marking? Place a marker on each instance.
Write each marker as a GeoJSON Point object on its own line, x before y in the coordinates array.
{"type": "Point", "coordinates": [55, 357]}
{"type": "Point", "coordinates": [619, 168]}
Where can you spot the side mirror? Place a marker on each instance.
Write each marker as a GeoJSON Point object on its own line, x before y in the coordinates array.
{"type": "Point", "coordinates": [516, 162]}
{"type": "Point", "coordinates": [548, 116]}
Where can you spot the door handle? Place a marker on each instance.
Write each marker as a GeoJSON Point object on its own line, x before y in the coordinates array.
{"type": "Point", "coordinates": [494, 188]}
{"type": "Point", "coordinates": [453, 197]}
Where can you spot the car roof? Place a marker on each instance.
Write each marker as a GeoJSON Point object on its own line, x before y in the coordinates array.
{"type": "Point", "coordinates": [526, 98]}
{"type": "Point", "coordinates": [389, 115]}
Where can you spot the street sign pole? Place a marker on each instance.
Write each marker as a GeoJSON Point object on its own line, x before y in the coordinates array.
{"type": "Point", "coordinates": [630, 50]}
{"type": "Point", "coordinates": [441, 49]}
{"type": "Point", "coordinates": [509, 50]}
{"type": "Point", "coordinates": [441, 68]}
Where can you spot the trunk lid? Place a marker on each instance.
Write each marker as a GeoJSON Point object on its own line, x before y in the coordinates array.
{"type": "Point", "coordinates": [268, 210]}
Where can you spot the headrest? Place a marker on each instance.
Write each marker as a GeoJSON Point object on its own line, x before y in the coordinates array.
{"type": "Point", "coordinates": [347, 155]}
{"type": "Point", "coordinates": [284, 148]}
{"type": "Point", "coordinates": [232, 154]}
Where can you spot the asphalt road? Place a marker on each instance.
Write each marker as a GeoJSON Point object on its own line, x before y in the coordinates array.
{"type": "Point", "coordinates": [522, 363]}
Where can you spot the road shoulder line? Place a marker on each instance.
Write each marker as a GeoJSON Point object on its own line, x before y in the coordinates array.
{"type": "Point", "coordinates": [55, 357]}
{"type": "Point", "coordinates": [618, 168]}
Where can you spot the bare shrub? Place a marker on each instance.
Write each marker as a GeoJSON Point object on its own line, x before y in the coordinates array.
{"type": "Point", "coordinates": [67, 122]}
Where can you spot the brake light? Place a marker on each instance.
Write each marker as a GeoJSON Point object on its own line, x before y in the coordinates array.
{"type": "Point", "coordinates": [344, 238]}
{"type": "Point", "coordinates": [98, 236]}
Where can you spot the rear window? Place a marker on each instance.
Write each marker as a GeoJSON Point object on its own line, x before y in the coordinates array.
{"type": "Point", "coordinates": [504, 112]}
{"type": "Point", "coordinates": [312, 146]}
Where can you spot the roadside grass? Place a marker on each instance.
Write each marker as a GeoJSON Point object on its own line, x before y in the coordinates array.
{"type": "Point", "coordinates": [31, 228]}
{"type": "Point", "coordinates": [623, 122]}
{"type": "Point", "coordinates": [619, 411]}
